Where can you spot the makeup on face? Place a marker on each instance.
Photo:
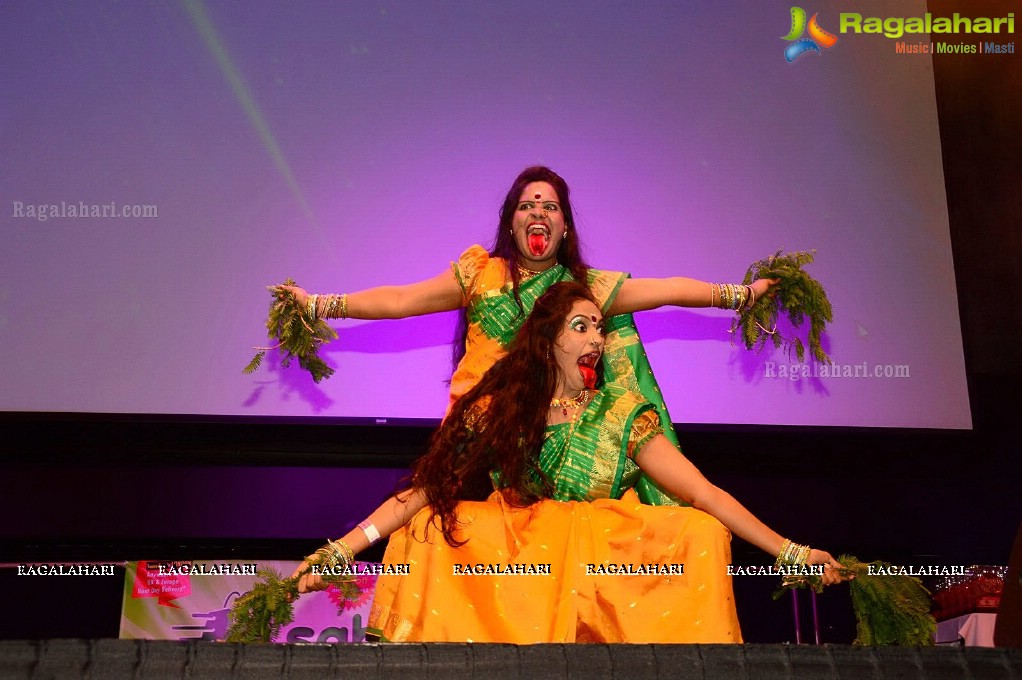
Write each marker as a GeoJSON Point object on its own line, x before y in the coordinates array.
{"type": "Point", "coordinates": [580, 346]}
{"type": "Point", "coordinates": [539, 222]}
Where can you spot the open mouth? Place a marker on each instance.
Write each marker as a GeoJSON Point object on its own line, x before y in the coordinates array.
{"type": "Point", "coordinates": [539, 237]}
{"type": "Point", "coordinates": [587, 368]}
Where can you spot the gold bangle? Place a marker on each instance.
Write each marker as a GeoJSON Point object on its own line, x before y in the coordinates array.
{"type": "Point", "coordinates": [792, 554]}
{"type": "Point", "coordinates": [741, 296]}
{"type": "Point", "coordinates": [313, 299]}
{"type": "Point", "coordinates": [731, 295]}
{"type": "Point", "coordinates": [334, 554]}
{"type": "Point", "coordinates": [780, 554]}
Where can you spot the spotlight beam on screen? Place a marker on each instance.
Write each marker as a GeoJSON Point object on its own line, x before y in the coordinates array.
{"type": "Point", "coordinates": [386, 152]}
{"type": "Point", "coordinates": [197, 13]}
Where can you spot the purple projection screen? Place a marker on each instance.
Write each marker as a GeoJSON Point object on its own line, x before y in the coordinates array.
{"type": "Point", "coordinates": [354, 144]}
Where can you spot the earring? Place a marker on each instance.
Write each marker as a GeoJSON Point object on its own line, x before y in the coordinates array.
{"type": "Point", "coordinates": [565, 235]}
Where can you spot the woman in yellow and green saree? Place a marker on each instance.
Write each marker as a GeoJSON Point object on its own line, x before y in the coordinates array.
{"type": "Point", "coordinates": [536, 246]}
{"type": "Point", "coordinates": [521, 523]}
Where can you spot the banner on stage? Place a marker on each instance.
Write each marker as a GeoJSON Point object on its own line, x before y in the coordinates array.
{"type": "Point", "coordinates": [191, 600]}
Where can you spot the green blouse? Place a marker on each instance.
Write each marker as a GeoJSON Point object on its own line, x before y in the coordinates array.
{"type": "Point", "coordinates": [594, 457]}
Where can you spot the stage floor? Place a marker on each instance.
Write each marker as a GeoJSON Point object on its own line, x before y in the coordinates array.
{"type": "Point", "coordinates": [109, 658]}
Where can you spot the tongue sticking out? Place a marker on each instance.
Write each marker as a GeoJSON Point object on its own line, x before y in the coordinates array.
{"type": "Point", "coordinates": [588, 376]}
{"type": "Point", "coordinates": [537, 243]}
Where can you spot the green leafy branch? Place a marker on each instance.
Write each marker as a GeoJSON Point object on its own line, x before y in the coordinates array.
{"type": "Point", "coordinates": [259, 614]}
{"type": "Point", "coordinates": [295, 335]}
{"type": "Point", "coordinates": [889, 609]}
{"type": "Point", "coordinates": [797, 294]}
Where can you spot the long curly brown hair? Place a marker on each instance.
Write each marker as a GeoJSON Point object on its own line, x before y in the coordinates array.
{"type": "Point", "coordinates": [499, 425]}
{"type": "Point", "coordinates": [569, 252]}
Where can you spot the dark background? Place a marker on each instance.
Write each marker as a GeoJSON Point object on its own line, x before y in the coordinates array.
{"type": "Point", "coordinates": [909, 497]}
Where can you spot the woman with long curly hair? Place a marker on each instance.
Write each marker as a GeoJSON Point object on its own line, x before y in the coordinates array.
{"type": "Point", "coordinates": [520, 523]}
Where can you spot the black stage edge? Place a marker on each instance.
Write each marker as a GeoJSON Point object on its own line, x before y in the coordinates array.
{"type": "Point", "coordinates": [147, 659]}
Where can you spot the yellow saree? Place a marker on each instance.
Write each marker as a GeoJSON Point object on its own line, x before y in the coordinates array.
{"type": "Point", "coordinates": [594, 564]}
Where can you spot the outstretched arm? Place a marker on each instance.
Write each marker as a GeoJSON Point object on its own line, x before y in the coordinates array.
{"type": "Point", "coordinates": [674, 472]}
{"type": "Point", "coordinates": [438, 294]}
{"type": "Point", "coordinates": [637, 295]}
{"type": "Point", "coordinates": [392, 514]}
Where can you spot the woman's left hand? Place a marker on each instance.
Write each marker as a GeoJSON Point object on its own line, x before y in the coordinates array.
{"type": "Point", "coordinates": [307, 581]}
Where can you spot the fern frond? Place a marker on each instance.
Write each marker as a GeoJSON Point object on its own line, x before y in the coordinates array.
{"type": "Point", "coordinates": [797, 295]}
{"type": "Point", "coordinates": [296, 337]}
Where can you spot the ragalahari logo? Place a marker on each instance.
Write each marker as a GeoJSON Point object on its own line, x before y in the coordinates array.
{"type": "Point", "coordinates": [799, 45]}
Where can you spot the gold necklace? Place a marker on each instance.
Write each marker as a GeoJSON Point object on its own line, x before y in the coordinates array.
{"type": "Point", "coordinates": [573, 403]}
{"type": "Point", "coordinates": [526, 273]}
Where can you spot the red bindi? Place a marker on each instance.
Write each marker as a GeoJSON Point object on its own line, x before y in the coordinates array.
{"type": "Point", "coordinates": [538, 196]}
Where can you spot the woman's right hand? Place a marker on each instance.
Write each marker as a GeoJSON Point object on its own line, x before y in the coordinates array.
{"type": "Point", "coordinates": [833, 571]}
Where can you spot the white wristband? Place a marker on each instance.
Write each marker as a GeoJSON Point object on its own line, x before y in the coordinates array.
{"type": "Point", "coordinates": [370, 530]}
